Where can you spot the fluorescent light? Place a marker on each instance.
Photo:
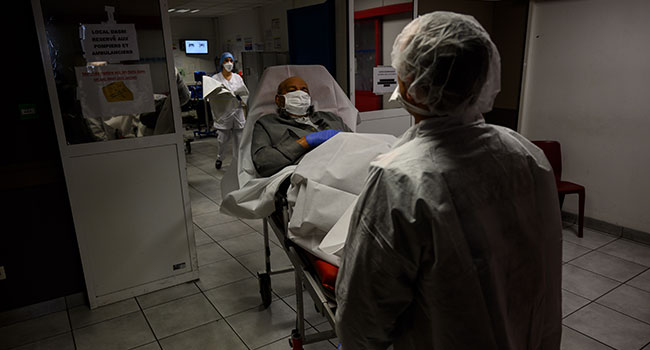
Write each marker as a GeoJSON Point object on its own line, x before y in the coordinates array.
{"type": "Point", "coordinates": [183, 10]}
{"type": "Point", "coordinates": [171, 10]}
{"type": "Point", "coordinates": [195, 11]}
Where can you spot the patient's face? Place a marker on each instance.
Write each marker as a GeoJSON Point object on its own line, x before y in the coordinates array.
{"type": "Point", "coordinates": [290, 85]}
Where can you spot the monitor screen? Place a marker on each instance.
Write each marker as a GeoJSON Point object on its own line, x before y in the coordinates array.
{"type": "Point", "coordinates": [196, 47]}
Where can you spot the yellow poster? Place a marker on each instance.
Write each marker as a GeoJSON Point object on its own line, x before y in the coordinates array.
{"type": "Point", "coordinates": [115, 89]}
{"type": "Point", "coordinates": [117, 92]}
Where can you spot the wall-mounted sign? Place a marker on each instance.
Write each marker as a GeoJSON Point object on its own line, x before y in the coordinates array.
{"type": "Point", "coordinates": [107, 91]}
{"type": "Point", "coordinates": [384, 80]}
{"type": "Point", "coordinates": [109, 42]}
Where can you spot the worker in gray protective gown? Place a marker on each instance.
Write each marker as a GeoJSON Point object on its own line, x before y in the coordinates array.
{"type": "Point", "coordinates": [455, 241]}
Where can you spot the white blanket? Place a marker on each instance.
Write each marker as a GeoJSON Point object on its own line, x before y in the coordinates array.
{"type": "Point", "coordinates": [325, 185]}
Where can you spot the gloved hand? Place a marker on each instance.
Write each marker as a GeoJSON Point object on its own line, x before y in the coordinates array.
{"type": "Point", "coordinates": [316, 138]}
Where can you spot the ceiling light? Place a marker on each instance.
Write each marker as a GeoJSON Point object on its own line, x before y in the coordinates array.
{"type": "Point", "coordinates": [183, 10]}
{"type": "Point", "coordinates": [195, 11]}
{"type": "Point", "coordinates": [171, 10]}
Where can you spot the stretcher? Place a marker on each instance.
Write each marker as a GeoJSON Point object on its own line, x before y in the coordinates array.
{"type": "Point", "coordinates": [282, 200]}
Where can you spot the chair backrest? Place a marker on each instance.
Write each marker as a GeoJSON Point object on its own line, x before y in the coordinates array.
{"type": "Point", "coordinates": [553, 152]}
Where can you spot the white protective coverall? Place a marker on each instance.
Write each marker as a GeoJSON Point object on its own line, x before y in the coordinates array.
{"type": "Point", "coordinates": [455, 240]}
{"type": "Point", "coordinates": [230, 123]}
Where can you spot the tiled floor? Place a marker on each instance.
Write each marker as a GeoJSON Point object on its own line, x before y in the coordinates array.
{"type": "Point", "coordinates": [606, 293]}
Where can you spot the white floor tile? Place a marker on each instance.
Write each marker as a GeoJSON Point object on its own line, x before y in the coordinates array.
{"type": "Point", "coordinates": [610, 327]}
{"type": "Point", "coordinates": [212, 336]}
{"type": "Point", "coordinates": [572, 340]}
{"type": "Point", "coordinates": [35, 329]}
{"type": "Point", "coordinates": [180, 315]}
{"type": "Point", "coordinates": [572, 302]}
{"type": "Point", "coordinates": [591, 239]}
{"type": "Point", "coordinates": [200, 237]}
{"type": "Point", "coordinates": [608, 265]}
{"type": "Point", "coordinates": [59, 342]}
{"type": "Point", "coordinates": [311, 315]}
{"type": "Point", "coordinates": [245, 244]}
{"type": "Point", "coordinates": [628, 300]}
{"type": "Point", "coordinates": [571, 251]}
{"type": "Point", "coordinates": [228, 230]}
{"type": "Point", "coordinates": [125, 332]}
{"type": "Point", "coordinates": [221, 273]}
{"type": "Point", "coordinates": [168, 294]}
{"type": "Point", "coordinates": [282, 344]}
{"type": "Point", "coordinates": [150, 346]}
{"type": "Point", "coordinates": [211, 253]}
{"type": "Point", "coordinates": [624, 249]}
{"type": "Point", "coordinates": [641, 281]}
{"type": "Point", "coordinates": [236, 297]}
{"type": "Point", "coordinates": [584, 283]}
{"type": "Point", "coordinates": [255, 261]}
{"type": "Point", "coordinates": [261, 327]}
{"type": "Point", "coordinates": [82, 316]}
{"type": "Point", "coordinates": [32, 311]}
{"type": "Point", "coordinates": [210, 219]}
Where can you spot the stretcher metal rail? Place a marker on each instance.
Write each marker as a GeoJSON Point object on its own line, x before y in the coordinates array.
{"type": "Point", "coordinates": [304, 279]}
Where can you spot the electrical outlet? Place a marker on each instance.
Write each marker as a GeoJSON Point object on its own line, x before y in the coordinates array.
{"type": "Point", "coordinates": [3, 275]}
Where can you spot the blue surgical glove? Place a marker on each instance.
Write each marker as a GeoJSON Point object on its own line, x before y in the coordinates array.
{"type": "Point", "coordinates": [316, 138]}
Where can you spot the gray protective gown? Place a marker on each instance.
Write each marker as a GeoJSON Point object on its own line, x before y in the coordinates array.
{"type": "Point", "coordinates": [458, 245]}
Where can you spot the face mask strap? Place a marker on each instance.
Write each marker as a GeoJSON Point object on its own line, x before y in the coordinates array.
{"type": "Point", "coordinates": [397, 96]}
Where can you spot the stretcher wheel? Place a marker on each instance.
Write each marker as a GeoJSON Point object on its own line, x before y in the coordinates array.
{"type": "Point", "coordinates": [265, 288]}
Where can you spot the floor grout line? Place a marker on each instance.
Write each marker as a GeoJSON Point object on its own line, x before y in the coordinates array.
{"type": "Point", "coordinates": [148, 324]}
{"type": "Point", "coordinates": [601, 275]}
{"type": "Point", "coordinates": [622, 313]}
{"type": "Point", "coordinates": [67, 310]}
{"type": "Point", "coordinates": [588, 336]}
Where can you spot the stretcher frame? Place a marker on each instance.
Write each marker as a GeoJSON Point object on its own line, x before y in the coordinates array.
{"type": "Point", "coordinates": [304, 279]}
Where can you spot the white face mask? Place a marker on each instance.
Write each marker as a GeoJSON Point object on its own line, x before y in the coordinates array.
{"type": "Point", "coordinates": [297, 102]}
{"type": "Point", "coordinates": [228, 66]}
{"type": "Point", "coordinates": [397, 96]}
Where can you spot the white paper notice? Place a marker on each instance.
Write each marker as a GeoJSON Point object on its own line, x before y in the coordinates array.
{"type": "Point", "coordinates": [109, 42]}
{"type": "Point", "coordinates": [106, 91]}
{"type": "Point", "coordinates": [384, 80]}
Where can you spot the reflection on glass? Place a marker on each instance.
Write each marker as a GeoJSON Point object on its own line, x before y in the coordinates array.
{"type": "Point", "coordinates": [110, 69]}
{"type": "Point", "coordinates": [365, 53]}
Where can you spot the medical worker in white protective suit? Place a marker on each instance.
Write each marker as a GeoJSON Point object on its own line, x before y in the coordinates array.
{"type": "Point", "coordinates": [455, 242]}
{"type": "Point", "coordinates": [230, 124]}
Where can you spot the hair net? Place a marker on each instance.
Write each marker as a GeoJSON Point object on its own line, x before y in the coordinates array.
{"type": "Point", "coordinates": [222, 59]}
{"type": "Point", "coordinates": [448, 62]}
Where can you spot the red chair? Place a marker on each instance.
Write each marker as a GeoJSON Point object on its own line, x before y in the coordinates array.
{"type": "Point", "coordinates": [553, 153]}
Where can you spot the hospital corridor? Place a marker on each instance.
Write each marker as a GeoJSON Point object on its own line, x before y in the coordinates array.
{"type": "Point", "coordinates": [326, 174]}
{"type": "Point", "coordinates": [605, 294]}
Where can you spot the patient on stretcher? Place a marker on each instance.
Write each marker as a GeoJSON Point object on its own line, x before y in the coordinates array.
{"type": "Point", "coordinates": [283, 138]}
{"type": "Point", "coordinates": [324, 178]}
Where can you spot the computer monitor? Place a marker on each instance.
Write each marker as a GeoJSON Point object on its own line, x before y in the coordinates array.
{"type": "Point", "coordinates": [195, 47]}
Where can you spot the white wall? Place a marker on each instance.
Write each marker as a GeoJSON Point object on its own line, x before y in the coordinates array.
{"type": "Point", "coordinates": [194, 28]}
{"type": "Point", "coordinates": [586, 85]}
{"type": "Point", "coordinates": [270, 13]}
{"type": "Point", "coordinates": [256, 24]}
{"type": "Point", "coordinates": [236, 28]}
